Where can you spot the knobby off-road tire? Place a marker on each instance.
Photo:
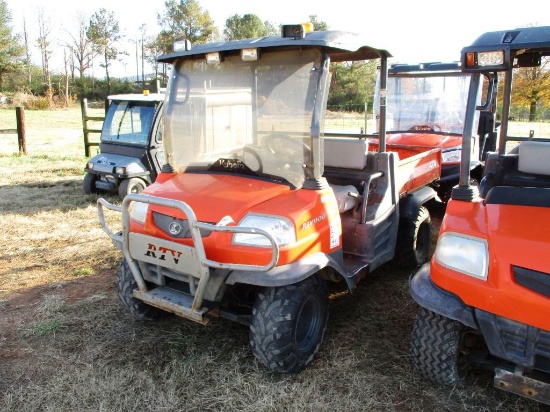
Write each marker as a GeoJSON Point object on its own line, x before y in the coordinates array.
{"type": "Point", "coordinates": [133, 185]}
{"type": "Point", "coordinates": [125, 285]}
{"type": "Point", "coordinates": [414, 240]}
{"type": "Point", "coordinates": [288, 324]}
{"type": "Point", "coordinates": [437, 348]}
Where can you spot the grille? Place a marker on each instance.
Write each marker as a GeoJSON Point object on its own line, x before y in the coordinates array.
{"type": "Point", "coordinates": [177, 228]}
{"type": "Point", "coordinates": [536, 281]}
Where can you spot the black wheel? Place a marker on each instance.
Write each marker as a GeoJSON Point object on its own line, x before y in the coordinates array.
{"type": "Point", "coordinates": [444, 192]}
{"type": "Point", "coordinates": [133, 185]}
{"type": "Point", "coordinates": [439, 348]}
{"type": "Point", "coordinates": [414, 240]}
{"type": "Point", "coordinates": [125, 285]}
{"type": "Point", "coordinates": [88, 184]}
{"type": "Point", "coordinates": [288, 324]}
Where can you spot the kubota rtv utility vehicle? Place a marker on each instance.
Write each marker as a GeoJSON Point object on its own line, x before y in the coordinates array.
{"type": "Point", "coordinates": [485, 296]}
{"type": "Point", "coordinates": [255, 210]}
{"type": "Point", "coordinates": [425, 108]}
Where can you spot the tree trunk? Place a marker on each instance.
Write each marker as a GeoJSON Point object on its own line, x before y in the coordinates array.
{"type": "Point", "coordinates": [107, 73]}
{"type": "Point", "coordinates": [532, 111]}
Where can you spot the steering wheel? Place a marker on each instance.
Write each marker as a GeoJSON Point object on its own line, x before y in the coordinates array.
{"type": "Point", "coordinates": [252, 159]}
{"type": "Point", "coordinates": [283, 145]}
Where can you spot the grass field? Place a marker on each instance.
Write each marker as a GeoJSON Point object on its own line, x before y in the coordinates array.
{"type": "Point", "coordinates": [67, 345]}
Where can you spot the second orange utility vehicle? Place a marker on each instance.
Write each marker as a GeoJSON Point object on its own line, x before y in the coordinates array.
{"type": "Point", "coordinates": [485, 296]}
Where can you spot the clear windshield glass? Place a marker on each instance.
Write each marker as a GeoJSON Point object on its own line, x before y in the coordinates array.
{"type": "Point", "coordinates": [529, 109]}
{"type": "Point", "coordinates": [128, 122]}
{"type": "Point", "coordinates": [435, 103]}
{"type": "Point", "coordinates": [243, 117]}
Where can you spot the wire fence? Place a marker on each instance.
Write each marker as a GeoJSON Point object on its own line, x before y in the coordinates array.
{"type": "Point", "coordinates": [522, 114]}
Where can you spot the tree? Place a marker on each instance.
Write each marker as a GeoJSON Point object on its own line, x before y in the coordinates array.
{"type": "Point", "coordinates": [154, 46]}
{"type": "Point", "coordinates": [27, 52]}
{"type": "Point", "coordinates": [44, 43]}
{"type": "Point", "coordinates": [352, 83]}
{"type": "Point", "coordinates": [247, 27]}
{"type": "Point", "coordinates": [185, 20]}
{"type": "Point", "coordinates": [531, 86]}
{"type": "Point", "coordinates": [104, 33]}
{"type": "Point", "coordinates": [81, 46]}
{"type": "Point", "coordinates": [11, 51]}
{"type": "Point", "coordinates": [143, 30]}
{"type": "Point", "coordinates": [318, 25]}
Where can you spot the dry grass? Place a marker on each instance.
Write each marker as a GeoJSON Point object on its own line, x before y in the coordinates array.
{"type": "Point", "coordinates": [66, 344]}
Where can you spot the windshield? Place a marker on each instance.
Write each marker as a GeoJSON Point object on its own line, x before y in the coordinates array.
{"type": "Point", "coordinates": [250, 117]}
{"type": "Point", "coordinates": [128, 122]}
{"type": "Point", "coordinates": [529, 116]}
{"type": "Point", "coordinates": [426, 103]}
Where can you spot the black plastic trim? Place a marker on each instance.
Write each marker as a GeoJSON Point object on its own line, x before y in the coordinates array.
{"type": "Point", "coordinates": [429, 296]}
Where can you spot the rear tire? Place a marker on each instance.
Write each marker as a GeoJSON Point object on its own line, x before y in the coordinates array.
{"type": "Point", "coordinates": [414, 240]}
{"type": "Point", "coordinates": [132, 185]}
{"type": "Point", "coordinates": [125, 285]}
{"type": "Point", "coordinates": [288, 324]}
{"type": "Point", "coordinates": [438, 348]}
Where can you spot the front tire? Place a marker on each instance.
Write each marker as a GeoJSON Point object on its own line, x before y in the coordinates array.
{"type": "Point", "coordinates": [132, 185]}
{"type": "Point", "coordinates": [288, 324]}
{"type": "Point", "coordinates": [438, 348]}
{"type": "Point", "coordinates": [88, 184]}
{"type": "Point", "coordinates": [125, 285]}
{"type": "Point", "coordinates": [414, 240]}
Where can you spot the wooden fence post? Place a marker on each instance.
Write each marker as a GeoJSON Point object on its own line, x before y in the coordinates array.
{"type": "Point", "coordinates": [21, 139]}
{"type": "Point", "coordinates": [86, 130]}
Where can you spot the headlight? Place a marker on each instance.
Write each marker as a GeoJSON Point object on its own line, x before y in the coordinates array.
{"type": "Point", "coordinates": [451, 156]}
{"type": "Point", "coordinates": [138, 211]}
{"type": "Point", "coordinates": [120, 170]}
{"type": "Point", "coordinates": [90, 165]}
{"type": "Point", "coordinates": [463, 253]}
{"type": "Point", "coordinates": [280, 228]}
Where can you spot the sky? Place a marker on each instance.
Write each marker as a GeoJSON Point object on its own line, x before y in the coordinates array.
{"type": "Point", "coordinates": [412, 31]}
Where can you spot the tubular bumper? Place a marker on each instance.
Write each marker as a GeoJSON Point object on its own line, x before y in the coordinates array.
{"type": "Point", "coordinates": [175, 256]}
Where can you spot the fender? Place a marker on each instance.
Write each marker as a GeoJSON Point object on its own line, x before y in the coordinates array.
{"type": "Point", "coordinates": [429, 296]}
{"type": "Point", "coordinates": [287, 274]}
{"type": "Point", "coordinates": [410, 205]}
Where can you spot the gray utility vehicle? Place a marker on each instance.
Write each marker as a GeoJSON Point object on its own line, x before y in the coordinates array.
{"type": "Point", "coordinates": [426, 104]}
{"type": "Point", "coordinates": [485, 296]}
{"type": "Point", "coordinates": [131, 152]}
{"type": "Point", "coordinates": [256, 209]}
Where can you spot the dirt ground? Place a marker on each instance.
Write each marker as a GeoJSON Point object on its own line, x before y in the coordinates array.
{"type": "Point", "coordinates": [66, 343]}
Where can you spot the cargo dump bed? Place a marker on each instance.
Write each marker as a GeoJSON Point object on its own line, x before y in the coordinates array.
{"type": "Point", "coordinates": [348, 158]}
{"type": "Point", "coordinates": [376, 192]}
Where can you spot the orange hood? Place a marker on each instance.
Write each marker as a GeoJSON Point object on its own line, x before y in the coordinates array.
{"type": "Point", "coordinates": [446, 141]}
{"type": "Point", "coordinates": [213, 197]}
{"type": "Point", "coordinates": [518, 236]}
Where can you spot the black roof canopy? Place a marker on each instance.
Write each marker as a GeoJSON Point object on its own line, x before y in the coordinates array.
{"type": "Point", "coordinates": [341, 46]}
{"type": "Point", "coordinates": [514, 40]}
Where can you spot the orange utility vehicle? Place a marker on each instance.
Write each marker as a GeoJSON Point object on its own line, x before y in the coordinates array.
{"type": "Point", "coordinates": [255, 209]}
{"type": "Point", "coordinates": [485, 295]}
{"type": "Point", "coordinates": [426, 103]}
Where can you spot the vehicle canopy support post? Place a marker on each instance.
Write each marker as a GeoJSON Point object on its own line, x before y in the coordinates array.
{"type": "Point", "coordinates": [21, 139]}
{"type": "Point", "coordinates": [383, 86]}
{"type": "Point", "coordinates": [508, 76]}
{"type": "Point", "coordinates": [464, 191]}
